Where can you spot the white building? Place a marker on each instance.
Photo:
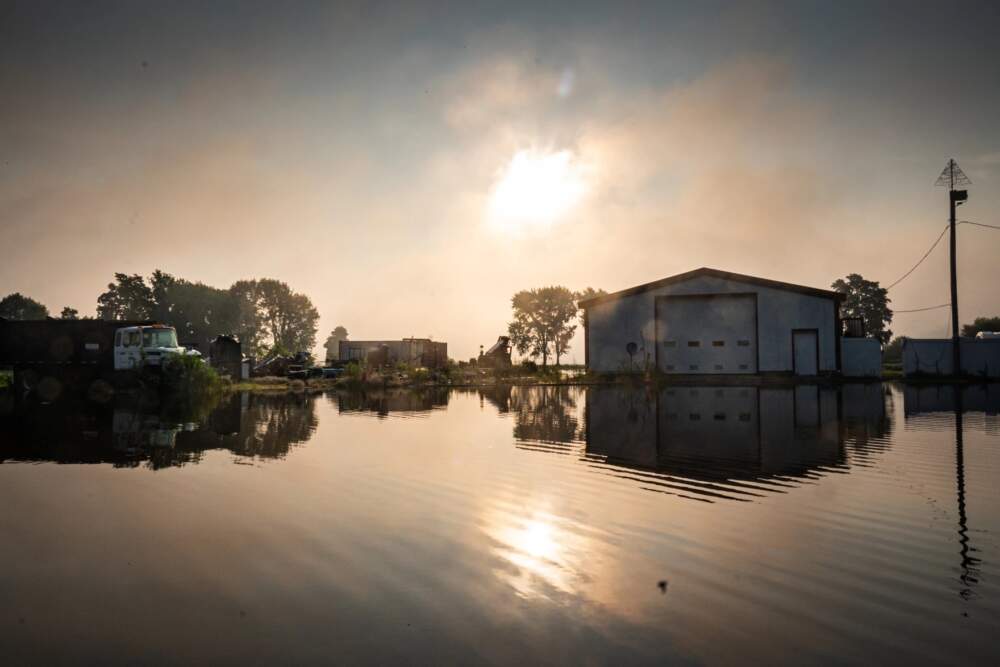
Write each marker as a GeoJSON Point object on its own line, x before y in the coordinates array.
{"type": "Point", "coordinates": [714, 322]}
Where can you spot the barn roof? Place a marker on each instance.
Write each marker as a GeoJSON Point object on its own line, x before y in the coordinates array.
{"type": "Point", "coordinates": [714, 273]}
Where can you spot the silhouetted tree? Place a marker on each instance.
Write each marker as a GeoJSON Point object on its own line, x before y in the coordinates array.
{"type": "Point", "coordinates": [285, 320]}
{"type": "Point", "coordinates": [69, 313]}
{"type": "Point", "coordinates": [981, 324]}
{"type": "Point", "coordinates": [199, 312]}
{"type": "Point", "coordinates": [893, 352]}
{"type": "Point", "coordinates": [865, 299]}
{"type": "Point", "coordinates": [332, 344]}
{"type": "Point", "coordinates": [16, 306]}
{"type": "Point", "coordinates": [128, 298]}
{"type": "Point", "coordinates": [542, 318]}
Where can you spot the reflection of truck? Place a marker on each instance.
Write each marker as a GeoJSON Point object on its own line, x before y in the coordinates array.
{"type": "Point", "coordinates": [76, 352]}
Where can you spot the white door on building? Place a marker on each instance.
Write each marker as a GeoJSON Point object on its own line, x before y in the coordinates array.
{"type": "Point", "coordinates": [707, 333]}
{"type": "Point", "coordinates": [805, 351]}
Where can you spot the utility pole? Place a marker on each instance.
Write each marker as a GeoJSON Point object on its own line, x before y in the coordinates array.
{"type": "Point", "coordinates": [952, 176]}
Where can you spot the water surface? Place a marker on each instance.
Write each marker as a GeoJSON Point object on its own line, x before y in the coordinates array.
{"type": "Point", "coordinates": [540, 525]}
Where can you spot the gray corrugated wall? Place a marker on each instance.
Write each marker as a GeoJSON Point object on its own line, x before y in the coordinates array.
{"type": "Point", "coordinates": [615, 323]}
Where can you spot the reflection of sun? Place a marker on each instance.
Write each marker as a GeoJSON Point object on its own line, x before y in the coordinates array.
{"type": "Point", "coordinates": [535, 189]}
{"type": "Point", "coordinates": [544, 551]}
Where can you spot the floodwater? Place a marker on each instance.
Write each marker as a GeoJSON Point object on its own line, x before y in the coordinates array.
{"type": "Point", "coordinates": [604, 525]}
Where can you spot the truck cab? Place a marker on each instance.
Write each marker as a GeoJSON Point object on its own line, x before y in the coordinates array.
{"type": "Point", "coordinates": [139, 346]}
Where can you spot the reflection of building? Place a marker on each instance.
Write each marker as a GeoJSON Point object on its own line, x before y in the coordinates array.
{"type": "Point", "coordinates": [383, 402]}
{"type": "Point", "coordinates": [919, 399]}
{"type": "Point", "coordinates": [412, 351]}
{"type": "Point", "coordinates": [716, 433]}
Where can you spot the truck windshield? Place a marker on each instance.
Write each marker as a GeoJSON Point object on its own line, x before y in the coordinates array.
{"type": "Point", "coordinates": [159, 338]}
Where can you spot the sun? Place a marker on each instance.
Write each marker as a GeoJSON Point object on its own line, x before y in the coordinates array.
{"type": "Point", "coordinates": [535, 189]}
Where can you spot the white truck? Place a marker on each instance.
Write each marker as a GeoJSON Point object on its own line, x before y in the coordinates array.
{"type": "Point", "coordinates": [150, 345]}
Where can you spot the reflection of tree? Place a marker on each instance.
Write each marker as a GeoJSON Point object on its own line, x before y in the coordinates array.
{"type": "Point", "coordinates": [270, 425]}
{"type": "Point", "coordinates": [131, 435]}
{"type": "Point", "coordinates": [545, 414]}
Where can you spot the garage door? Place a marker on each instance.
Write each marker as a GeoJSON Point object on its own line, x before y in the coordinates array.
{"type": "Point", "coordinates": [714, 334]}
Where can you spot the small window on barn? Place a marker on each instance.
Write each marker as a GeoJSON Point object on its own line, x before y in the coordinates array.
{"type": "Point", "coordinates": [743, 343]}
{"type": "Point", "coordinates": [718, 367]}
{"type": "Point", "coordinates": [670, 367]}
{"type": "Point", "coordinates": [744, 416]}
{"type": "Point", "coordinates": [694, 343]}
{"type": "Point", "coordinates": [669, 343]}
{"type": "Point", "coordinates": [695, 416]}
{"type": "Point", "coordinates": [719, 416]}
{"type": "Point", "coordinates": [693, 367]}
{"type": "Point", "coordinates": [744, 367]}
{"type": "Point", "coordinates": [672, 416]}
{"type": "Point", "coordinates": [718, 343]}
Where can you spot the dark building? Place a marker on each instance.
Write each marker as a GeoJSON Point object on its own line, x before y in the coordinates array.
{"type": "Point", "coordinates": [226, 356]}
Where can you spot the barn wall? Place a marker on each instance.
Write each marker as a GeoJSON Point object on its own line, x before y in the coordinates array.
{"type": "Point", "coordinates": [614, 323]}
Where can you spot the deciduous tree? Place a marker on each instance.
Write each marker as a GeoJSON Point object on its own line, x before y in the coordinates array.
{"type": "Point", "coordinates": [16, 306]}
{"type": "Point", "coordinates": [542, 319]}
{"type": "Point", "coordinates": [128, 298]}
{"type": "Point", "coordinates": [865, 299]}
{"type": "Point", "coordinates": [981, 324]}
{"type": "Point", "coordinates": [332, 344]}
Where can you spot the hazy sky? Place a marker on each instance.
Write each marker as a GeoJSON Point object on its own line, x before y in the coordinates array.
{"type": "Point", "coordinates": [411, 168]}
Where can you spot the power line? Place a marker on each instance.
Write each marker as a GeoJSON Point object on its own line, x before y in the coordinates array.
{"type": "Point", "coordinates": [977, 224]}
{"type": "Point", "coordinates": [931, 249]}
{"type": "Point", "coordinates": [926, 254]}
{"type": "Point", "coordinates": [920, 310]}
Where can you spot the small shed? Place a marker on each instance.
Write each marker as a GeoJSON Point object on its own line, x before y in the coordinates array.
{"type": "Point", "coordinates": [226, 356]}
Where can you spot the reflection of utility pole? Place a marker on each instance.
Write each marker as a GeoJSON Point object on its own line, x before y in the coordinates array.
{"type": "Point", "coordinates": [969, 563]}
{"type": "Point", "coordinates": [952, 176]}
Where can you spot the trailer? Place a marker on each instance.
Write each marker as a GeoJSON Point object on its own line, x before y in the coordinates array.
{"type": "Point", "coordinates": [53, 355]}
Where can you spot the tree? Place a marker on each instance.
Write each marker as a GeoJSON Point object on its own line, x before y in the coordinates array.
{"type": "Point", "coordinates": [981, 324]}
{"type": "Point", "coordinates": [277, 313]}
{"type": "Point", "coordinates": [247, 325]}
{"type": "Point", "coordinates": [69, 313]}
{"type": "Point", "coordinates": [199, 312]}
{"type": "Point", "coordinates": [542, 319]}
{"type": "Point", "coordinates": [893, 352]}
{"type": "Point", "coordinates": [865, 299]}
{"type": "Point", "coordinates": [332, 344]}
{"type": "Point", "coordinates": [128, 298]}
{"type": "Point", "coordinates": [16, 306]}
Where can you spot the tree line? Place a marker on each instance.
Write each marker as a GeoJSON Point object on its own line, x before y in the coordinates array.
{"type": "Point", "coordinates": [264, 314]}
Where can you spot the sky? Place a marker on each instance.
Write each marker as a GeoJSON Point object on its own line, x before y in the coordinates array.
{"type": "Point", "coordinates": [410, 167]}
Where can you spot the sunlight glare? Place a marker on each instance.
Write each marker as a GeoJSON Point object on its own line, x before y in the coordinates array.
{"type": "Point", "coordinates": [535, 189]}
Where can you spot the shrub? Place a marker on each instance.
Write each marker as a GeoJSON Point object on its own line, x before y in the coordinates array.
{"type": "Point", "coordinates": [189, 375]}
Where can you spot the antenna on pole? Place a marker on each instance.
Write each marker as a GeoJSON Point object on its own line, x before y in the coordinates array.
{"type": "Point", "coordinates": [953, 176]}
